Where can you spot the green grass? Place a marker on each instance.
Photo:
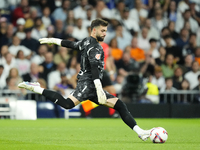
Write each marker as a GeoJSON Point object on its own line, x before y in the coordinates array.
{"type": "Point", "coordinates": [95, 134]}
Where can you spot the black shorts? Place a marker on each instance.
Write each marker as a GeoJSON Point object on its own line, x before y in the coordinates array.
{"type": "Point", "coordinates": [106, 79]}
{"type": "Point", "coordinates": [85, 90]}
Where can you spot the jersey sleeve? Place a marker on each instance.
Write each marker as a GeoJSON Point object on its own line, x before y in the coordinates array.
{"type": "Point", "coordinates": [94, 56]}
{"type": "Point", "coordinates": [70, 44]}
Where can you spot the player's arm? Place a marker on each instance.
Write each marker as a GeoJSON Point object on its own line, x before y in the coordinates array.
{"type": "Point", "coordinates": [94, 57]}
{"type": "Point", "coordinates": [60, 42]}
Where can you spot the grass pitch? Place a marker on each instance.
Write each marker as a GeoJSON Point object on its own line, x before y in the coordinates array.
{"type": "Point", "coordinates": [95, 134]}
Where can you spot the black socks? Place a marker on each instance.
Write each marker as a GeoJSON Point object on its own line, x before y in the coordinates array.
{"type": "Point", "coordinates": [58, 99]}
{"type": "Point", "coordinates": [125, 114]}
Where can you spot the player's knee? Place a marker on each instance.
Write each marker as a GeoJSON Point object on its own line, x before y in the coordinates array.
{"type": "Point", "coordinates": [69, 104]}
{"type": "Point", "coordinates": [120, 105]}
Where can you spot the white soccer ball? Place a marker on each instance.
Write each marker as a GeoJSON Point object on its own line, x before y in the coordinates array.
{"type": "Point", "coordinates": [158, 135]}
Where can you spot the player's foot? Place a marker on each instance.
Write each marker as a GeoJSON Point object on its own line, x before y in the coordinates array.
{"type": "Point", "coordinates": [29, 85]}
{"type": "Point", "coordinates": [145, 135]}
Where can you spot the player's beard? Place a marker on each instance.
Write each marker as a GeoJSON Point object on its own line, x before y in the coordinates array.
{"type": "Point", "coordinates": [99, 38]}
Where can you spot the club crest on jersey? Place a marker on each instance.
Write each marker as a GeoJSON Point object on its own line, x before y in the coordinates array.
{"type": "Point", "coordinates": [98, 56]}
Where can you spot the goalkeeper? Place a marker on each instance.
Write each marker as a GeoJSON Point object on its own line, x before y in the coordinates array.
{"type": "Point", "coordinates": [89, 84]}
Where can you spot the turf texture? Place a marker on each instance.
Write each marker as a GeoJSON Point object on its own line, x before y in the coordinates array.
{"type": "Point", "coordinates": [95, 134]}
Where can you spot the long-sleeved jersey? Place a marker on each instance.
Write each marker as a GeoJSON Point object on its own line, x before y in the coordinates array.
{"type": "Point", "coordinates": [92, 58]}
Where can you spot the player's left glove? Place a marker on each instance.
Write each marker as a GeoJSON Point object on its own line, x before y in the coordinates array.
{"type": "Point", "coordinates": [100, 92]}
{"type": "Point", "coordinates": [50, 41]}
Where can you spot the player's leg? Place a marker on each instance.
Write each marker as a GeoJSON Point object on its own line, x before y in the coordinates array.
{"type": "Point", "coordinates": [126, 116]}
{"type": "Point", "coordinates": [53, 96]}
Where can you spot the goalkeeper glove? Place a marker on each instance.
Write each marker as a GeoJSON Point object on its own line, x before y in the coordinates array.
{"type": "Point", "coordinates": [50, 41]}
{"type": "Point", "coordinates": [100, 92]}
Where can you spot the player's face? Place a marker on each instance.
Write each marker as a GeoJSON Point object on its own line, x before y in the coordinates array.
{"type": "Point", "coordinates": [101, 33]}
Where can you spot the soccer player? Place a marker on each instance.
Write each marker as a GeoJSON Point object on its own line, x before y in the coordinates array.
{"type": "Point", "coordinates": [89, 84]}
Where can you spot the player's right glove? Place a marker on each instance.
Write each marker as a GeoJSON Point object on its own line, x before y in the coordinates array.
{"type": "Point", "coordinates": [100, 92]}
{"type": "Point", "coordinates": [50, 41]}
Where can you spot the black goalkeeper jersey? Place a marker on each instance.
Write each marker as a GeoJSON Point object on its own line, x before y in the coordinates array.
{"type": "Point", "coordinates": [92, 58]}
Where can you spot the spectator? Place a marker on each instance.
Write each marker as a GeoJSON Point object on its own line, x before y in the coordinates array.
{"type": "Point", "coordinates": [79, 31]}
{"type": "Point", "coordinates": [61, 68]}
{"type": "Point", "coordinates": [29, 42]}
{"type": "Point", "coordinates": [136, 53]}
{"type": "Point", "coordinates": [34, 74]}
{"type": "Point", "coordinates": [153, 48]}
{"type": "Point", "coordinates": [15, 74]}
{"type": "Point", "coordinates": [51, 31]}
{"type": "Point", "coordinates": [59, 33]}
{"type": "Point", "coordinates": [183, 39]}
{"type": "Point", "coordinates": [21, 11]}
{"type": "Point", "coordinates": [159, 21]}
{"type": "Point", "coordinates": [173, 33]}
{"type": "Point", "coordinates": [138, 13]}
{"type": "Point", "coordinates": [194, 13]}
{"type": "Point", "coordinates": [126, 64]}
{"type": "Point", "coordinates": [161, 59]}
{"type": "Point", "coordinates": [4, 51]}
{"type": "Point", "coordinates": [191, 46]}
{"type": "Point", "coordinates": [20, 29]}
{"type": "Point", "coordinates": [70, 18]}
{"type": "Point", "coordinates": [2, 77]}
{"type": "Point", "coordinates": [60, 13]}
{"type": "Point", "coordinates": [39, 58]}
{"type": "Point", "coordinates": [11, 84]}
{"type": "Point", "coordinates": [177, 78]}
{"type": "Point", "coordinates": [38, 31]}
{"type": "Point", "coordinates": [116, 52]}
{"type": "Point", "coordinates": [71, 67]}
{"type": "Point", "coordinates": [9, 33]}
{"type": "Point", "coordinates": [143, 41]}
{"type": "Point", "coordinates": [172, 11]}
{"type": "Point", "coordinates": [3, 32]}
{"type": "Point", "coordinates": [168, 67]}
{"type": "Point", "coordinates": [30, 18]}
{"type": "Point", "coordinates": [168, 86]}
{"type": "Point", "coordinates": [9, 63]}
{"type": "Point", "coordinates": [164, 33]}
{"type": "Point", "coordinates": [123, 37]}
{"type": "Point", "coordinates": [80, 10]}
{"type": "Point", "coordinates": [187, 63]}
{"type": "Point", "coordinates": [64, 87]}
{"type": "Point", "coordinates": [46, 18]}
{"type": "Point", "coordinates": [186, 17]}
{"type": "Point", "coordinates": [15, 47]}
{"type": "Point", "coordinates": [152, 93]}
{"type": "Point", "coordinates": [185, 86]}
{"type": "Point", "coordinates": [129, 24]}
{"type": "Point", "coordinates": [48, 65]}
{"type": "Point", "coordinates": [22, 64]}
{"type": "Point", "coordinates": [153, 32]}
{"type": "Point", "coordinates": [158, 78]}
{"type": "Point", "coordinates": [61, 56]}
{"type": "Point", "coordinates": [101, 10]}
{"type": "Point", "coordinates": [119, 84]}
{"type": "Point", "coordinates": [171, 49]}
{"type": "Point", "coordinates": [192, 76]}
{"type": "Point", "coordinates": [118, 11]}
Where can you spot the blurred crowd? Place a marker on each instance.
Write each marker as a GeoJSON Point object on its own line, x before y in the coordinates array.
{"type": "Point", "coordinates": [156, 39]}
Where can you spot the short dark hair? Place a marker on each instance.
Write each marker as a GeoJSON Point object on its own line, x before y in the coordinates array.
{"type": "Point", "coordinates": [1, 66]}
{"type": "Point", "coordinates": [98, 22]}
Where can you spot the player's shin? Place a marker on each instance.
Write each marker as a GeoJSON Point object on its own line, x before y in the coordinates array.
{"type": "Point", "coordinates": [58, 99]}
{"type": "Point", "coordinates": [125, 114]}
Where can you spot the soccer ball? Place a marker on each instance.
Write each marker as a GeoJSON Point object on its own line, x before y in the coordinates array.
{"type": "Point", "coordinates": [158, 135]}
